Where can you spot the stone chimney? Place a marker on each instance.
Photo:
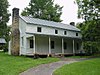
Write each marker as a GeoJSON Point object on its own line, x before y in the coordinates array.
{"type": "Point", "coordinates": [15, 33]}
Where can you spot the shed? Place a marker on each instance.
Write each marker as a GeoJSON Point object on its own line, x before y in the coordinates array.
{"type": "Point", "coordinates": [2, 41]}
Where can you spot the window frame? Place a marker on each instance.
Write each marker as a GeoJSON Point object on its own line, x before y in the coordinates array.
{"type": "Point", "coordinates": [56, 31]}
{"type": "Point", "coordinates": [65, 45]}
{"type": "Point", "coordinates": [22, 41]}
{"type": "Point", "coordinates": [39, 29]}
{"type": "Point", "coordinates": [65, 32]}
{"type": "Point", "coordinates": [52, 44]}
{"type": "Point", "coordinates": [77, 45]}
{"type": "Point", "coordinates": [76, 34]}
{"type": "Point", "coordinates": [31, 43]}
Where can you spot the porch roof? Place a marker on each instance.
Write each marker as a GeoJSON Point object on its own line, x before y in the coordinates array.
{"type": "Point", "coordinates": [30, 34]}
{"type": "Point", "coordinates": [42, 22]}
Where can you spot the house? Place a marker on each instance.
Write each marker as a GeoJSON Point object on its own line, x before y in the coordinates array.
{"type": "Point", "coordinates": [36, 36]}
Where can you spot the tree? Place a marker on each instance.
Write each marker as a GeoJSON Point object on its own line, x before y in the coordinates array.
{"type": "Point", "coordinates": [89, 10]}
{"type": "Point", "coordinates": [43, 9]}
{"type": "Point", "coordinates": [4, 18]}
{"type": "Point", "coordinates": [89, 36]}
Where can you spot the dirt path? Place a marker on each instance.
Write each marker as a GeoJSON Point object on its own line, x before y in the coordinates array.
{"type": "Point", "coordinates": [47, 69]}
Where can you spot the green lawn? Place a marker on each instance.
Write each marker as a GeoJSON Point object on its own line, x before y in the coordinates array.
{"type": "Point", "coordinates": [76, 57]}
{"type": "Point", "coordinates": [79, 56]}
{"type": "Point", "coordinates": [88, 67]}
{"type": "Point", "coordinates": [13, 65]}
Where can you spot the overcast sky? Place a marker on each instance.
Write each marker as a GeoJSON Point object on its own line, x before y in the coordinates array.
{"type": "Point", "coordinates": [69, 10]}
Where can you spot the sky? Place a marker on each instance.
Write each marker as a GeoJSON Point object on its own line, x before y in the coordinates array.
{"type": "Point", "coordinates": [69, 9]}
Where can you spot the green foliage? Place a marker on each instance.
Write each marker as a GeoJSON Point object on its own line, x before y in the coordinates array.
{"type": "Point", "coordinates": [4, 18]}
{"type": "Point", "coordinates": [89, 67]}
{"type": "Point", "coordinates": [43, 9]}
{"type": "Point", "coordinates": [89, 10]}
{"type": "Point", "coordinates": [13, 65]}
{"type": "Point", "coordinates": [90, 36]}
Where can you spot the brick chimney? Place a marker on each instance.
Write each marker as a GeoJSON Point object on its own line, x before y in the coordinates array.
{"type": "Point", "coordinates": [15, 33]}
{"type": "Point", "coordinates": [72, 23]}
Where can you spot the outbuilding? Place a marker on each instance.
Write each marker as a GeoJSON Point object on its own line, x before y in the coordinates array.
{"type": "Point", "coordinates": [2, 42]}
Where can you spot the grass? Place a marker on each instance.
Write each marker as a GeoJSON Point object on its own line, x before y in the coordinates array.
{"type": "Point", "coordinates": [88, 67]}
{"type": "Point", "coordinates": [13, 65]}
{"type": "Point", "coordinates": [75, 57]}
{"type": "Point", "coordinates": [79, 57]}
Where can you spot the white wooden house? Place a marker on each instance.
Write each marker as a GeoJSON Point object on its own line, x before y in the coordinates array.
{"type": "Point", "coordinates": [44, 37]}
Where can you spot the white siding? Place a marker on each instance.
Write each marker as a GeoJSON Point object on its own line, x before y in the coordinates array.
{"type": "Point", "coordinates": [57, 45]}
{"type": "Point", "coordinates": [69, 46]}
{"type": "Point", "coordinates": [28, 49]}
{"type": "Point", "coordinates": [51, 31]}
{"type": "Point", "coordinates": [42, 44]}
{"type": "Point", "coordinates": [23, 47]}
{"type": "Point", "coordinates": [22, 28]}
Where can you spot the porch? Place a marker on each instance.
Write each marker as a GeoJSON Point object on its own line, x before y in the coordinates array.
{"type": "Point", "coordinates": [48, 45]}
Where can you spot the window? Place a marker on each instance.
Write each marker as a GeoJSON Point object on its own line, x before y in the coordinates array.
{"type": "Point", "coordinates": [77, 46]}
{"type": "Point", "coordinates": [65, 32]}
{"type": "Point", "coordinates": [22, 41]}
{"type": "Point", "coordinates": [56, 31]}
{"type": "Point", "coordinates": [65, 45]}
{"type": "Point", "coordinates": [52, 44]}
{"type": "Point", "coordinates": [31, 43]}
{"type": "Point", "coordinates": [76, 34]}
{"type": "Point", "coordinates": [38, 29]}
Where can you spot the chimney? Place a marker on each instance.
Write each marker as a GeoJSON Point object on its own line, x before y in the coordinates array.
{"type": "Point", "coordinates": [15, 33]}
{"type": "Point", "coordinates": [15, 17]}
{"type": "Point", "coordinates": [72, 23]}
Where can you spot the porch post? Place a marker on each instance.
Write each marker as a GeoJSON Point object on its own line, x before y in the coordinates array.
{"type": "Point", "coordinates": [62, 46]}
{"type": "Point", "coordinates": [49, 45]}
{"type": "Point", "coordinates": [34, 43]}
{"type": "Point", "coordinates": [73, 47]}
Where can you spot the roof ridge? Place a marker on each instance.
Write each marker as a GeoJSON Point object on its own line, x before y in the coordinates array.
{"type": "Point", "coordinates": [46, 20]}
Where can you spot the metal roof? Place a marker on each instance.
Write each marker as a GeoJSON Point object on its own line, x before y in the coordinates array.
{"type": "Point", "coordinates": [31, 20]}
{"type": "Point", "coordinates": [2, 40]}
